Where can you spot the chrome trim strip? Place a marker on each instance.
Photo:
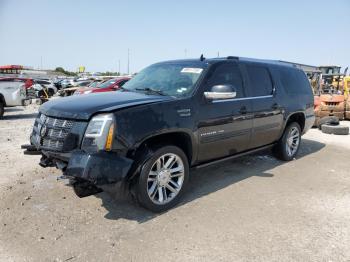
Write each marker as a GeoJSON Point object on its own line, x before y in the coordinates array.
{"type": "Point", "coordinates": [241, 99]}
{"type": "Point", "coordinates": [220, 95]}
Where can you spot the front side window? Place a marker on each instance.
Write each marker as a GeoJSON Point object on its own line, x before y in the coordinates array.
{"type": "Point", "coordinates": [172, 79]}
{"type": "Point", "coordinates": [227, 74]}
{"type": "Point", "coordinates": [260, 80]}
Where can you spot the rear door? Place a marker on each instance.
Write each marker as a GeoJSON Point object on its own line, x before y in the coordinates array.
{"type": "Point", "coordinates": [224, 126]}
{"type": "Point", "coordinates": [267, 111]}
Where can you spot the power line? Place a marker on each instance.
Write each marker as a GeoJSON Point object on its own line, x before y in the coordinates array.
{"type": "Point", "coordinates": [128, 61]}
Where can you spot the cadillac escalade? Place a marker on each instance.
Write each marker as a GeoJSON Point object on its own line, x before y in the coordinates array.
{"type": "Point", "coordinates": [171, 117]}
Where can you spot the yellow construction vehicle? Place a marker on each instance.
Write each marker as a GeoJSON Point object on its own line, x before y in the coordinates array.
{"type": "Point", "coordinates": [329, 93]}
{"type": "Point", "coordinates": [346, 86]}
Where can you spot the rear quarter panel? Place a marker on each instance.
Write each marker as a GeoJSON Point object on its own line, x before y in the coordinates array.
{"type": "Point", "coordinates": [294, 102]}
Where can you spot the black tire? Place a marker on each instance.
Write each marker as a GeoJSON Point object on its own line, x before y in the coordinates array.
{"type": "Point", "coordinates": [328, 120]}
{"type": "Point", "coordinates": [336, 130]}
{"type": "Point", "coordinates": [142, 185]}
{"type": "Point", "coordinates": [2, 109]}
{"type": "Point", "coordinates": [50, 92]}
{"type": "Point", "coordinates": [280, 150]}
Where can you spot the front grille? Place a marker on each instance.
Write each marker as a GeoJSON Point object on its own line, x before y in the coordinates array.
{"type": "Point", "coordinates": [50, 133]}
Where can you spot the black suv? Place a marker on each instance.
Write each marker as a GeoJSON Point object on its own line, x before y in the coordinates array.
{"type": "Point", "coordinates": [173, 116]}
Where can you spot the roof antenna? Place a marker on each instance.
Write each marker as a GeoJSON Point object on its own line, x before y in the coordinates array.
{"type": "Point", "coordinates": [202, 58]}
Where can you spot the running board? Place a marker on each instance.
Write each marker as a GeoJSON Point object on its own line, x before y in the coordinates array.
{"type": "Point", "coordinates": [233, 156]}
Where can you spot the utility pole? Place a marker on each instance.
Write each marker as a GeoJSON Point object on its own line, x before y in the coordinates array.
{"type": "Point", "coordinates": [128, 61]}
{"type": "Point", "coordinates": [119, 67]}
{"type": "Point", "coordinates": [218, 54]}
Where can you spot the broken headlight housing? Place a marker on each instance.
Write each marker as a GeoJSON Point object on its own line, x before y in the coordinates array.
{"type": "Point", "coordinates": [99, 134]}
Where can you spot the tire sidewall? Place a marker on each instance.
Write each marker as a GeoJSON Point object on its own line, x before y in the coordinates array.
{"type": "Point", "coordinates": [142, 194]}
{"type": "Point", "coordinates": [284, 141]}
{"type": "Point", "coordinates": [2, 109]}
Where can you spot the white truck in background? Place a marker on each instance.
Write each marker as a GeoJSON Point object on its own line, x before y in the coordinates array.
{"type": "Point", "coordinates": [15, 92]}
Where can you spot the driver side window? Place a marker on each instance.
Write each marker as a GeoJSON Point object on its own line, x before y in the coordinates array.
{"type": "Point", "coordinates": [227, 74]}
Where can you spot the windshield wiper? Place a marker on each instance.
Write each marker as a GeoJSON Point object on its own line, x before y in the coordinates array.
{"type": "Point", "coordinates": [147, 89]}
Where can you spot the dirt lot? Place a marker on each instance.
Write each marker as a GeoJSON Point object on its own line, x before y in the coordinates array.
{"type": "Point", "coordinates": [254, 208]}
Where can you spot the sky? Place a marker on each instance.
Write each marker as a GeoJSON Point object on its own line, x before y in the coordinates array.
{"type": "Point", "coordinates": [98, 34]}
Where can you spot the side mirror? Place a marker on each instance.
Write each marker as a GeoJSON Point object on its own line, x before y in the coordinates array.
{"type": "Point", "coordinates": [219, 92]}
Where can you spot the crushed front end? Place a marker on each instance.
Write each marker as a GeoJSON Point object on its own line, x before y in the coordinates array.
{"type": "Point", "coordinates": [82, 150]}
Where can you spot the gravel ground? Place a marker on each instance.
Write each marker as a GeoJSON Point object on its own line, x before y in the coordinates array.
{"type": "Point", "coordinates": [254, 208]}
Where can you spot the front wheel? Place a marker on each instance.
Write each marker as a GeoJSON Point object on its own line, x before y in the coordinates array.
{"type": "Point", "coordinates": [163, 179]}
{"type": "Point", "coordinates": [288, 146]}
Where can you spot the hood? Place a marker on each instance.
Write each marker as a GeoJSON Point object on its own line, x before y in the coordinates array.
{"type": "Point", "coordinates": [83, 107]}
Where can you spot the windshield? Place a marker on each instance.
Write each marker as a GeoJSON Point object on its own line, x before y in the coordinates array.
{"type": "Point", "coordinates": [107, 83]}
{"type": "Point", "coordinates": [167, 79]}
{"type": "Point", "coordinates": [94, 84]}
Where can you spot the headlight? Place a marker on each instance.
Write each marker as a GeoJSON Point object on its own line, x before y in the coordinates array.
{"type": "Point", "coordinates": [99, 133]}
{"type": "Point", "coordinates": [87, 92]}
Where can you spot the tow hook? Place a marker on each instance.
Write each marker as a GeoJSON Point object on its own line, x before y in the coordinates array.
{"type": "Point", "coordinates": [46, 162]}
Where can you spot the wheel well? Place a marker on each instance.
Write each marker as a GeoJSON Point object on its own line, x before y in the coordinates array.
{"type": "Point", "coordinates": [179, 139]}
{"type": "Point", "coordinates": [299, 118]}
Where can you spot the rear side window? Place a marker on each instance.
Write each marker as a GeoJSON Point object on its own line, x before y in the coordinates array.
{"type": "Point", "coordinates": [260, 80]}
{"type": "Point", "coordinates": [294, 82]}
{"type": "Point", "coordinates": [229, 74]}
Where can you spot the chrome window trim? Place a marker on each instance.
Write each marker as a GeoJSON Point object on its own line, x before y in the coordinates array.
{"type": "Point", "coordinates": [242, 98]}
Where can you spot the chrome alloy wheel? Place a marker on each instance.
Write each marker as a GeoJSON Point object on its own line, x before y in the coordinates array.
{"type": "Point", "coordinates": [293, 141]}
{"type": "Point", "coordinates": [165, 179]}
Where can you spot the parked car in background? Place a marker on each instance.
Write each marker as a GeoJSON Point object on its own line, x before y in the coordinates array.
{"type": "Point", "coordinates": [58, 83]}
{"type": "Point", "coordinates": [70, 90]}
{"type": "Point", "coordinates": [15, 92]}
{"type": "Point", "coordinates": [106, 86]}
{"type": "Point", "coordinates": [44, 87]}
{"type": "Point", "coordinates": [170, 117]}
{"type": "Point", "coordinates": [67, 83]}
{"type": "Point", "coordinates": [28, 82]}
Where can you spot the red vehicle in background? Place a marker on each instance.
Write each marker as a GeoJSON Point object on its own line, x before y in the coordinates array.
{"type": "Point", "coordinates": [106, 86]}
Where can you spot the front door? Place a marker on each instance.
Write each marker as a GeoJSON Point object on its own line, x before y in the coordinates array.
{"type": "Point", "coordinates": [224, 126]}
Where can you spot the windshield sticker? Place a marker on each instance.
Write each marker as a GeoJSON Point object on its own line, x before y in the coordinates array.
{"type": "Point", "coordinates": [191, 70]}
{"type": "Point", "coordinates": [181, 90]}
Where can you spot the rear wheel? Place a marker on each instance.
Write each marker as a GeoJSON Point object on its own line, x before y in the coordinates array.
{"type": "Point", "coordinates": [2, 109]}
{"type": "Point", "coordinates": [163, 179]}
{"type": "Point", "coordinates": [289, 144]}
{"type": "Point", "coordinates": [50, 92]}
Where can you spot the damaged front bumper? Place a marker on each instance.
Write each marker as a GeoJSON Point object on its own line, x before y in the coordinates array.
{"type": "Point", "coordinates": [88, 172]}
{"type": "Point", "coordinates": [100, 168]}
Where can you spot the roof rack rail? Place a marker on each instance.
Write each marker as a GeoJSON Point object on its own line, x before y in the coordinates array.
{"type": "Point", "coordinates": [232, 57]}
